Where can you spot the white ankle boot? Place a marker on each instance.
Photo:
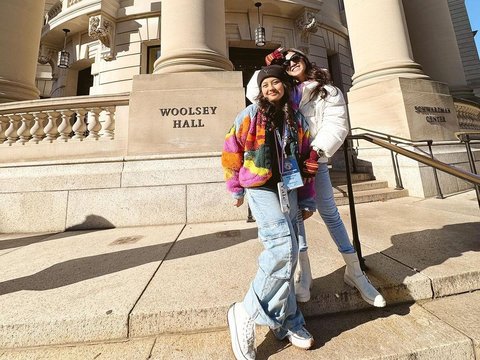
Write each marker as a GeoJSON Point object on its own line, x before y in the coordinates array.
{"type": "Point", "coordinates": [355, 277]}
{"type": "Point", "coordinates": [303, 278]}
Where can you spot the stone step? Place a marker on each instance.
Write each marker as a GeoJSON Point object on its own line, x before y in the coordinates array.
{"type": "Point", "coordinates": [371, 195]}
{"type": "Point", "coordinates": [440, 329]}
{"type": "Point", "coordinates": [340, 178]}
{"type": "Point", "coordinates": [120, 192]}
{"type": "Point", "coordinates": [361, 186]}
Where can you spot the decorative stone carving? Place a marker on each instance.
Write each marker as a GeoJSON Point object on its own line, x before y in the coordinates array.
{"type": "Point", "coordinates": [102, 28]}
{"type": "Point", "coordinates": [307, 23]}
{"type": "Point", "coordinates": [48, 55]}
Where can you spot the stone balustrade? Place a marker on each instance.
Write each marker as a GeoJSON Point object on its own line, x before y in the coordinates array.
{"type": "Point", "coordinates": [70, 119]}
{"type": "Point", "coordinates": [63, 10]}
{"type": "Point", "coordinates": [73, 2]}
{"type": "Point", "coordinates": [80, 119]}
{"type": "Point", "coordinates": [468, 114]}
{"type": "Point", "coordinates": [54, 11]}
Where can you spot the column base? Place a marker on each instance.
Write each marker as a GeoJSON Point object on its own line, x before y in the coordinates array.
{"type": "Point", "coordinates": [387, 71]}
{"type": "Point", "coordinates": [183, 112]}
{"type": "Point", "coordinates": [192, 60]}
{"type": "Point", "coordinates": [412, 109]}
{"type": "Point", "coordinates": [15, 91]}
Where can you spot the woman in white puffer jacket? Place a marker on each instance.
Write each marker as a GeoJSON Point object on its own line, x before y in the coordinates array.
{"type": "Point", "coordinates": [324, 108]}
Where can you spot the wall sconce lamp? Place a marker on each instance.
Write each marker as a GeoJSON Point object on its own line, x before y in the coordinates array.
{"type": "Point", "coordinates": [64, 55]}
{"type": "Point", "coordinates": [260, 30]}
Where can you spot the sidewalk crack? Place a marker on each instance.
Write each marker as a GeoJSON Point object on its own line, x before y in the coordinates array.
{"type": "Point", "coordinates": [151, 278]}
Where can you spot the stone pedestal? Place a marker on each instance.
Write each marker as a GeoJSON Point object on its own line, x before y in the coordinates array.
{"type": "Point", "coordinates": [413, 109]}
{"type": "Point", "coordinates": [183, 112]}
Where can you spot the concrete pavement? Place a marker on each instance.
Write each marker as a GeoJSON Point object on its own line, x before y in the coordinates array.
{"type": "Point", "coordinates": [121, 293]}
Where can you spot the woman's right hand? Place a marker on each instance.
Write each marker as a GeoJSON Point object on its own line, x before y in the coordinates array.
{"type": "Point", "coordinates": [238, 202]}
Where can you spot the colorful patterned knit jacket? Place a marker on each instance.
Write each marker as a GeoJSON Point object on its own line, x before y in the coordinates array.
{"type": "Point", "coordinates": [246, 154]}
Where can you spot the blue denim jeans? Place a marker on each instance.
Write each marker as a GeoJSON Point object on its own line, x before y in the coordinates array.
{"type": "Point", "coordinates": [271, 300]}
{"type": "Point", "coordinates": [328, 211]}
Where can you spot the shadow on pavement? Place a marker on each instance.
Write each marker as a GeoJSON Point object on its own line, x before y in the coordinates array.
{"type": "Point", "coordinates": [417, 250]}
{"type": "Point", "coordinates": [76, 270]}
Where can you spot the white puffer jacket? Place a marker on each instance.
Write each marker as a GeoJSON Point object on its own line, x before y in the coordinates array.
{"type": "Point", "coordinates": [327, 118]}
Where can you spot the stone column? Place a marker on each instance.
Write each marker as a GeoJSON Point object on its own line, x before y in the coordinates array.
{"type": "Point", "coordinates": [393, 95]}
{"type": "Point", "coordinates": [435, 45]}
{"type": "Point", "coordinates": [192, 37]}
{"type": "Point", "coordinates": [20, 28]}
{"type": "Point", "coordinates": [380, 42]}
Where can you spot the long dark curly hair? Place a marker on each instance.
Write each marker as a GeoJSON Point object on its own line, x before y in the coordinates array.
{"type": "Point", "coordinates": [275, 114]}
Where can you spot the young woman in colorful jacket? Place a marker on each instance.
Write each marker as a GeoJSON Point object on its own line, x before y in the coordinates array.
{"type": "Point", "coordinates": [260, 159]}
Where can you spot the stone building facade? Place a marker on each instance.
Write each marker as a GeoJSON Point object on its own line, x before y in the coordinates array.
{"type": "Point", "coordinates": [408, 68]}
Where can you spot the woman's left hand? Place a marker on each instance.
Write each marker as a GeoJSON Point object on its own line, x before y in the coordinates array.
{"type": "Point", "coordinates": [306, 214]}
{"type": "Point", "coordinates": [239, 202]}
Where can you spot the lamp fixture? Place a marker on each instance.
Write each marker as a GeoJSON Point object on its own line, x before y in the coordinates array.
{"type": "Point", "coordinates": [260, 30]}
{"type": "Point", "coordinates": [64, 55]}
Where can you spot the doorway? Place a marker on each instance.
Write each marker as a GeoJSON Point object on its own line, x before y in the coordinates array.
{"type": "Point", "coordinates": [84, 81]}
{"type": "Point", "coordinates": [247, 60]}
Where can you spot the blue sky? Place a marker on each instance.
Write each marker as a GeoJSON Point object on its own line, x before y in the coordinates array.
{"type": "Point", "coordinates": [473, 9]}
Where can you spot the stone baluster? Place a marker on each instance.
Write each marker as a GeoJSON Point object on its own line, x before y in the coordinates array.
{"type": "Point", "coordinates": [65, 128]}
{"type": "Point", "coordinates": [4, 123]}
{"type": "Point", "coordinates": [24, 130]}
{"type": "Point", "coordinates": [51, 129]}
{"type": "Point", "coordinates": [79, 127]}
{"type": "Point", "coordinates": [37, 130]}
{"type": "Point", "coordinates": [11, 132]}
{"type": "Point", "coordinates": [109, 124]}
{"type": "Point", "coordinates": [94, 124]}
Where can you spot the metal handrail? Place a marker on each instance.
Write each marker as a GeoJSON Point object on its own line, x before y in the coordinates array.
{"type": "Point", "coordinates": [469, 137]}
{"type": "Point", "coordinates": [439, 165]}
{"type": "Point", "coordinates": [384, 140]}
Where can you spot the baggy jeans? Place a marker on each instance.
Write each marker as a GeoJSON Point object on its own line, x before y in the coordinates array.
{"type": "Point", "coordinates": [271, 300]}
{"type": "Point", "coordinates": [328, 211]}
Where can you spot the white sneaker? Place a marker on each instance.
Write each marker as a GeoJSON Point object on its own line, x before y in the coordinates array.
{"type": "Point", "coordinates": [242, 332]}
{"type": "Point", "coordinates": [300, 338]}
{"type": "Point", "coordinates": [355, 277]}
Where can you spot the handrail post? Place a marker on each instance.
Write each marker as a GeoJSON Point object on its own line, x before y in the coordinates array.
{"type": "Point", "coordinates": [398, 182]}
{"type": "Point", "coordinates": [435, 175]}
{"type": "Point", "coordinates": [351, 203]}
{"type": "Point", "coordinates": [473, 169]}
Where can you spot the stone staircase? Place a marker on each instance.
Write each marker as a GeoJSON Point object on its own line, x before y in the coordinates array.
{"type": "Point", "coordinates": [365, 188]}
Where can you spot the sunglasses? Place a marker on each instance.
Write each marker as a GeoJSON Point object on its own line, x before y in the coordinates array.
{"type": "Point", "coordinates": [295, 58]}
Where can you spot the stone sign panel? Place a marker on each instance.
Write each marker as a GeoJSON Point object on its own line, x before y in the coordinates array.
{"type": "Point", "coordinates": [183, 112]}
